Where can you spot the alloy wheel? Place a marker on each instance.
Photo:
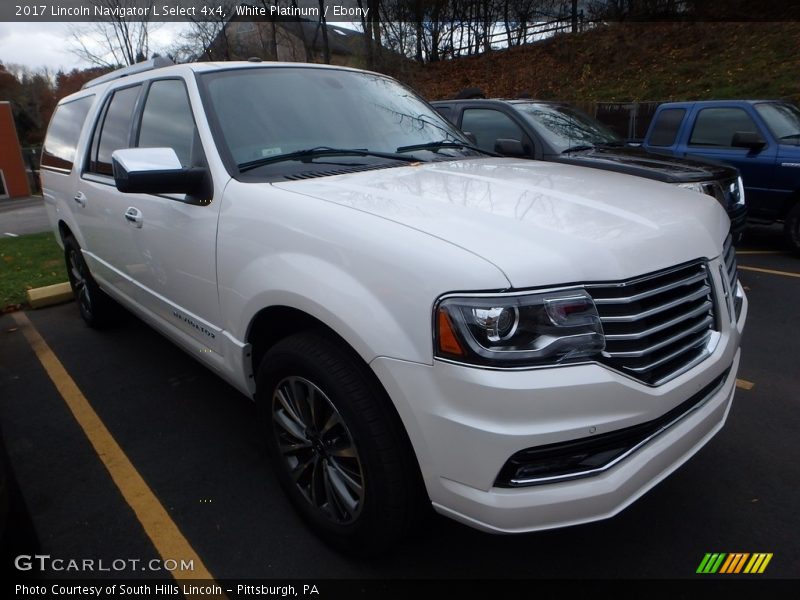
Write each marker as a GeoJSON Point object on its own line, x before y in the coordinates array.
{"type": "Point", "coordinates": [79, 282]}
{"type": "Point", "coordinates": [318, 450]}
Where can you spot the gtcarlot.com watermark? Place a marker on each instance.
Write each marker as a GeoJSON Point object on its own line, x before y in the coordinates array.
{"type": "Point", "coordinates": [46, 563]}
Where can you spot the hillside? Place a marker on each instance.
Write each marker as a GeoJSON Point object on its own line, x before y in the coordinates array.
{"type": "Point", "coordinates": [633, 61]}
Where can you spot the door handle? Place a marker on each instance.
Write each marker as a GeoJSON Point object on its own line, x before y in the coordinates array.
{"type": "Point", "coordinates": [80, 198]}
{"type": "Point", "coordinates": [134, 215]}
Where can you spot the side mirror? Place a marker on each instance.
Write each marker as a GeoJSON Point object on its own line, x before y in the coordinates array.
{"type": "Point", "coordinates": [154, 171]}
{"type": "Point", "coordinates": [471, 137]}
{"type": "Point", "coordinates": [748, 139]}
{"type": "Point", "coordinates": [509, 147]}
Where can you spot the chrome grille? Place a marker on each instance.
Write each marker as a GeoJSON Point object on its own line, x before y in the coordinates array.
{"type": "Point", "coordinates": [729, 256]}
{"type": "Point", "coordinates": [732, 272]}
{"type": "Point", "coordinates": [657, 326]}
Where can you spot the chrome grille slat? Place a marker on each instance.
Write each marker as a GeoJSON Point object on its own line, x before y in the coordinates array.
{"type": "Point", "coordinates": [704, 324]}
{"type": "Point", "coordinates": [651, 293]}
{"type": "Point", "coordinates": [732, 272]}
{"type": "Point", "coordinates": [705, 307]}
{"type": "Point", "coordinates": [658, 325]}
{"type": "Point", "coordinates": [701, 340]}
{"type": "Point", "coordinates": [700, 293]}
{"type": "Point", "coordinates": [730, 265]}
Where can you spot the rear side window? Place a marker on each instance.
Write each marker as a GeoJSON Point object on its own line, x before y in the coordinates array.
{"type": "Point", "coordinates": [716, 126]}
{"type": "Point", "coordinates": [114, 130]}
{"type": "Point", "coordinates": [665, 129]}
{"type": "Point", "coordinates": [63, 133]}
{"type": "Point", "coordinates": [167, 120]}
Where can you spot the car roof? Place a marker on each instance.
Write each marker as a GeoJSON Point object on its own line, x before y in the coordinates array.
{"type": "Point", "coordinates": [163, 67]}
{"type": "Point", "coordinates": [511, 101]}
{"type": "Point", "coordinates": [722, 102]}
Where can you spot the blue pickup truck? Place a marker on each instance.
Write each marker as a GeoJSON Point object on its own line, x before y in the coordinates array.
{"type": "Point", "coordinates": [760, 137]}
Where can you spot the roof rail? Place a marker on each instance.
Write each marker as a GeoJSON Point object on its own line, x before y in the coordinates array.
{"type": "Point", "coordinates": [148, 65]}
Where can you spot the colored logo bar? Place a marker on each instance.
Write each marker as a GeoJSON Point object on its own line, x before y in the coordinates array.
{"type": "Point", "coordinates": [734, 562]}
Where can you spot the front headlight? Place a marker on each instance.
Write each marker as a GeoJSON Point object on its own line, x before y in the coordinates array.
{"type": "Point", "coordinates": [737, 190]}
{"type": "Point", "coordinates": [697, 186]}
{"type": "Point", "coordinates": [520, 330]}
{"type": "Point", "coordinates": [710, 188]}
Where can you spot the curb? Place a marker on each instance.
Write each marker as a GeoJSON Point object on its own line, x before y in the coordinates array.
{"type": "Point", "coordinates": [49, 295]}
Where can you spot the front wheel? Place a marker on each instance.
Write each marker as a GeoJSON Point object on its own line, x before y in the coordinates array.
{"type": "Point", "coordinates": [338, 449]}
{"type": "Point", "coordinates": [791, 228]}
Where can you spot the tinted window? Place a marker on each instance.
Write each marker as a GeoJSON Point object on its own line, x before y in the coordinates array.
{"type": "Point", "coordinates": [565, 127]}
{"type": "Point", "coordinates": [445, 111]}
{"type": "Point", "coordinates": [63, 133]}
{"type": "Point", "coordinates": [716, 126]}
{"type": "Point", "coordinates": [271, 112]}
{"type": "Point", "coordinates": [490, 125]}
{"type": "Point", "coordinates": [167, 119]}
{"type": "Point", "coordinates": [666, 126]}
{"type": "Point", "coordinates": [783, 121]}
{"type": "Point", "coordinates": [115, 129]}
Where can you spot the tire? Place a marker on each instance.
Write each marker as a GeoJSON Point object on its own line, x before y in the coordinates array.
{"type": "Point", "coordinates": [346, 465]}
{"type": "Point", "coordinates": [791, 228]}
{"type": "Point", "coordinates": [97, 309]}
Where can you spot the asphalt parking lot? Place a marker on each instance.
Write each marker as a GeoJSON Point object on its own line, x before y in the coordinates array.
{"type": "Point", "coordinates": [20, 216]}
{"type": "Point", "coordinates": [196, 483]}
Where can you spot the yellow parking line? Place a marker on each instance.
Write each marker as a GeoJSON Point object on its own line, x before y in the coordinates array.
{"type": "Point", "coordinates": [743, 384]}
{"type": "Point", "coordinates": [769, 271]}
{"type": "Point", "coordinates": [158, 525]}
{"type": "Point", "coordinates": [738, 252]}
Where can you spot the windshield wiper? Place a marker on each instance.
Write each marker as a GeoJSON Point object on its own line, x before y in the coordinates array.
{"type": "Point", "coordinates": [443, 144]}
{"type": "Point", "coordinates": [310, 153]}
{"type": "Point", "coordinates": [578, 148]}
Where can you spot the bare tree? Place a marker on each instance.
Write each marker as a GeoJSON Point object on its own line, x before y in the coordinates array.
{"type": "Point", "coordinates": [323, 23]}
{"type": "Point", "coordinates": [370, 26]}
{"type": "Point", "coordinates": [116, 41]}
{"type": "Point", "coordinates": [206, 38]}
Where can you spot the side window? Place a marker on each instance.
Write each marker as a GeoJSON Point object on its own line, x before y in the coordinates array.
{"type": "Point", "coordinates": [445, 111]}
{"type": "Point", "coordinates": [63, 133]}
{"type": "Point", "coordinates": [488, 125]}
{"type": "Point", "coordinates": [666, 126]}
{"type": "Point", "coordinates": [114, 130]}
{"type": "Point", "coordinates": [716, 126]}
{"type": "Point", "coordinates": [167, 119]}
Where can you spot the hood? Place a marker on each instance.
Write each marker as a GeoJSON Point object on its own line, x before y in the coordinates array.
{"type": "Point", "coordinates": [639, 162]}
{"type": "Point", "coordinates": [540, 223]}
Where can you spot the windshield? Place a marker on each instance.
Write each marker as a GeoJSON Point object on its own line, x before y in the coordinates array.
{"type": "Point", "coordinates": [783, 121]}
{"type": "Point", "coordinates": [565, 127]}
{"type": "Point", "coordinates": [278, 118]}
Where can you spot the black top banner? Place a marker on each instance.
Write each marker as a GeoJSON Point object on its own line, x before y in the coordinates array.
{"type": "Point", "coordinates": [75, 11]}
{"type": "Point", "coordinates": [368, 10]}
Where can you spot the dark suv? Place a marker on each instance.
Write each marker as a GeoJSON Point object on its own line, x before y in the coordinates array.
{"type": "Point", "coordinates": [558, 132]}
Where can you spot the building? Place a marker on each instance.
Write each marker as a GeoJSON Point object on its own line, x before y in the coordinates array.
{"type": "Point", "coordinates": [286, 39]}
{"type": "Point", "coordinates": [13, 178]}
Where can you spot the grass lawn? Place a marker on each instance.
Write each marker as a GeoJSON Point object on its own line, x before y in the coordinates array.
{"type": "Point", "coordinates": [26, 262]}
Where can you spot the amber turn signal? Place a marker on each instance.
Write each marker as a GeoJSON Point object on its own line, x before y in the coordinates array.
{"type": "Point", "coordinates": [448, 342]}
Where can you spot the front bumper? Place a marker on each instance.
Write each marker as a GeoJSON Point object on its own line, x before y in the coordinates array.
{"type": "Point", "coordinates": [465, 423]}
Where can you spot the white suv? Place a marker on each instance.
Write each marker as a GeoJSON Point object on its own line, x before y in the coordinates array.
{"type": "Point", "coordinates": [522, 345]}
